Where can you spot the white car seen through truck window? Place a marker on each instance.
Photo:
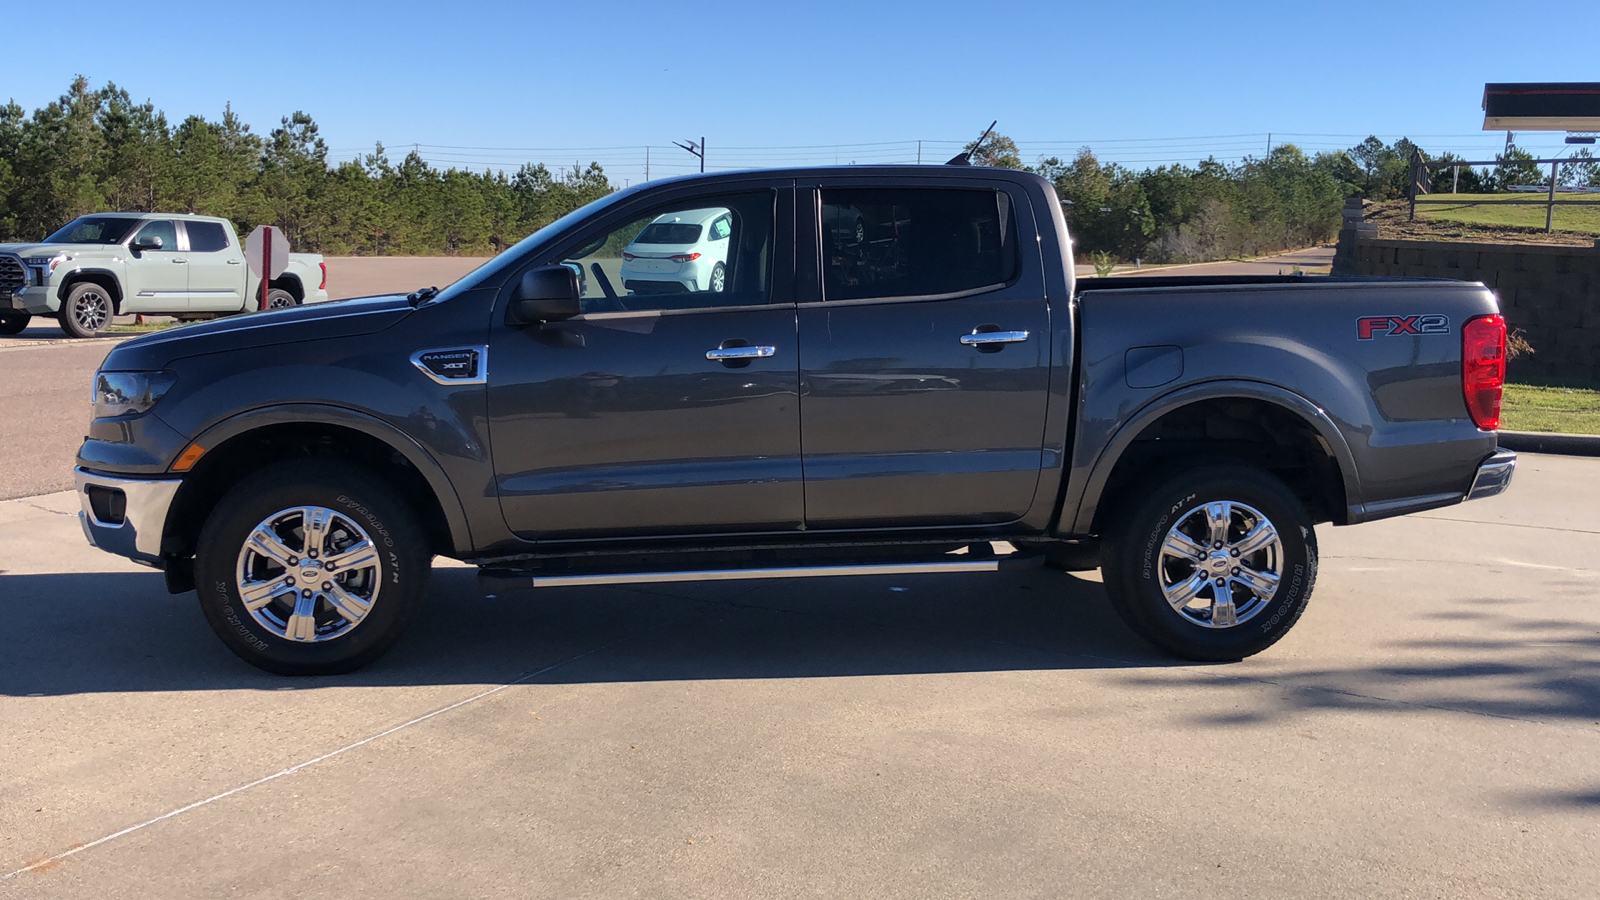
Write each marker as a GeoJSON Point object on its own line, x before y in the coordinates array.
{"type": "Point", "coordinates": [679, 252]}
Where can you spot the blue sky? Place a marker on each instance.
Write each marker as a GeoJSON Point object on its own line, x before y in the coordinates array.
{"type": "Point", "coordinates": [496, 83]}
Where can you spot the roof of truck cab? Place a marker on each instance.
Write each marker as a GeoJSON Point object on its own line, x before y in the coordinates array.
{"type": "Point", "coordinates": [900, 171]}
{"type": "Point", "coordinates": [191, 217]}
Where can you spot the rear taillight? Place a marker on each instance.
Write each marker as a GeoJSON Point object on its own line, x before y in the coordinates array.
{"type": "Point", "coordinates": [628, 257]}
{"type": "Point", "coordinates": [684, 257]}
{"type": "Point", "coordinates": [324, 285]}
{"type": "Point", "coordinates": [1483, 368]}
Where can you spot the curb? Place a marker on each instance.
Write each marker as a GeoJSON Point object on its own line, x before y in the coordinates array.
{"type": "Point", "coordinates": [1539, 442]}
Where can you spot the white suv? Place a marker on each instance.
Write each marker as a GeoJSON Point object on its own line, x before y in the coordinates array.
{"type": "Point", "coordinates": [680, 252]}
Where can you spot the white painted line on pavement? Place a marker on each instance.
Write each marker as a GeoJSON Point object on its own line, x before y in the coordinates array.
{"type": "Point", "coordinates": [47, 861]}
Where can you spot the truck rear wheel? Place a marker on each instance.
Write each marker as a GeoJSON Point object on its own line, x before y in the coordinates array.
{"type": "Point", "coordinates": [1212, 564]}
{"type": "Point", "coordinates": [13, 322]}
{"type": "Point", "coordinates": [87, 311]}
{"type": "Point", "coordinates": [277, 298]}
{"type": "Point", "coordinates": [311, 567]}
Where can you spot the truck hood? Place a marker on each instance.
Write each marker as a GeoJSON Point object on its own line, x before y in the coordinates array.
{"type": "Point", "coordinates": [26, 250]}
{"type": "Point", "coordinates": [334, 319]}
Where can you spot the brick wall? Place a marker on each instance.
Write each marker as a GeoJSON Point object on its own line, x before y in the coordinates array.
{"type": "Point", "coordinates": [1551, 293]}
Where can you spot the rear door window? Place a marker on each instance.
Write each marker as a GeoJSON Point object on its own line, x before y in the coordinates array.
{"type": "Point", "coordinates": [206, 237]}
{"type": "Point", "coordinates": [915, 242]}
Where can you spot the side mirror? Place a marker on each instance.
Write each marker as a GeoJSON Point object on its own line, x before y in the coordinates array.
{"type": "Point", "coordinates": [149, 242]}
{"type": "Point", "coordinates": [547, 294]}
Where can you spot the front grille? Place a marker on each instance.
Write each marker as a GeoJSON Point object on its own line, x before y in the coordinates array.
{"type": "Point", "coordinates": [12, 274]}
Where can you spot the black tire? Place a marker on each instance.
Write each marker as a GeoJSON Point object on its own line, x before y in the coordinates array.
{"type": "Point", "coordinates": [13, 322]}
{"type": "Point", "coordinates": [395, 585]}
{"type": "Point", "coordinates": [278, 298]}
{"type": "Point", "coordinates": [1135, 567]}
{"type": "Point", "coordinates": [1073, 556]}
{"type": "Point", "coordinates": [719, 279]}
{"type": "Point", "coordinates": [87, 311]}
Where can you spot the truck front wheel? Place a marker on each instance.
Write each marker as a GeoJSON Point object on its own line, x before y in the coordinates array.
{"type": "Point", "coordinates": [87, 311]}
{"type": "Point", "coordinates": [13, 323]}
{"type": "Point", "coordinates": [1212, 564]}
{"type": "Point", "coordinates": [311, 567]}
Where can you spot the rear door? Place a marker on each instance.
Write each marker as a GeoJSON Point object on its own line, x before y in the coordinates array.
{"type": "Point", "coordinates": [665, 408]}
{"type": "Point", "coordinates": [925, 355]}
{"type": "Point", "coordinates": [216, 268]}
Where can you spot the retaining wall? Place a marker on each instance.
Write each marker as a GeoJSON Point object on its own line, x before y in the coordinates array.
{"type": "Point", "coordinates": [1551, 293]}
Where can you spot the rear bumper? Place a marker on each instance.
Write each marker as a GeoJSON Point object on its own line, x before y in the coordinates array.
{"type": "Point", "coordinates": [125, 516]}
{"type": "Point", "coordinates": [1494, 475]}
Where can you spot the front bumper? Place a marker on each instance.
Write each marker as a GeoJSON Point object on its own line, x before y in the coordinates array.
{"type": "Point", "coordinates": [1494, 475]}
{"type": "Point", "coordinates": [31, 299]}
{"type": "Point", "coordinates": [125, 516]}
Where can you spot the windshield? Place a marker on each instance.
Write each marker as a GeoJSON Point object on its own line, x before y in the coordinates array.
{"type": "Point", "coordinates": [93, 230]}
{"type": "Point", "coordinates": [668, 233]}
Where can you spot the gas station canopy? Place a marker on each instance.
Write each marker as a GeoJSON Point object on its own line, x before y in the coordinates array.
{"type": "Point", "coordinates": [1550, 106]}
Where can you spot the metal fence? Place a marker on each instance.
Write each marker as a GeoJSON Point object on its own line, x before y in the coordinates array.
{"type": "Point", "coordinates": [1420, 180]}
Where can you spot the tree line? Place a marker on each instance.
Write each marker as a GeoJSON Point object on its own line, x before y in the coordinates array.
{"type": "Point", "coordinates": [96, 150]}
{"type": "Point", "coordinates": [1281, 201]}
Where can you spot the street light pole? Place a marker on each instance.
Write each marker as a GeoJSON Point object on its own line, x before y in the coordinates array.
{"type": "Point", "coordinates": [698, 150]}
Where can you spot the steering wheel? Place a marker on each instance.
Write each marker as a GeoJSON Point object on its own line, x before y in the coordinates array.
{"type": "Point", "coordinates": [612, 300]}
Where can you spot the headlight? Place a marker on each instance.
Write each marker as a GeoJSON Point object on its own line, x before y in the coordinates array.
{"type": "Point", "coordinates": [129, 393]}
{"type": "Point", "coordinates": [48, 263]}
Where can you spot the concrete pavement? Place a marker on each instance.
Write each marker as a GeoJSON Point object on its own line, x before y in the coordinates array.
{"type": "Point", "coordinates": [1429, 729]}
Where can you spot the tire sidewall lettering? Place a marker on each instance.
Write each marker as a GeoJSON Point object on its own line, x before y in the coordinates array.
{"type": "Point", "coordinates": [1157, 533]}
{"type": "Point", "coordinates": [224, 593]}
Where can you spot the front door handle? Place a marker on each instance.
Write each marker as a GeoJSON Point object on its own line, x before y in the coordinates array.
{"type": "Point", "coordinates": [980, 338]}
{"type": "Point", "coordinates": [726, 353]}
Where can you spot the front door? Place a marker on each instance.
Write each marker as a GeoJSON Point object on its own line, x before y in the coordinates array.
{"type": "Point", "coordinates": [926, 359]}
{"type": "Point", "coordinates": [670, 406]}
{"type": "Point", "coordinates": [158, 280]}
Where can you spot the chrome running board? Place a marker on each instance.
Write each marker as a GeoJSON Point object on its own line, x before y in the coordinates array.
{"type": "Point", "coordinates": [503, 579]}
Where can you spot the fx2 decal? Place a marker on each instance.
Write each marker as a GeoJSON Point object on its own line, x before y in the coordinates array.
{"type": "Point", "coordinates": [1369, 327]}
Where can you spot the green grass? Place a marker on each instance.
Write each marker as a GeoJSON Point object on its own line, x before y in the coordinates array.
{"type": "Point", "coordinates": [142, 329]}
{"type": "Point", "coordinates": [1495, 211]}
{"type": "Point", "coordinates": [1530, 407]}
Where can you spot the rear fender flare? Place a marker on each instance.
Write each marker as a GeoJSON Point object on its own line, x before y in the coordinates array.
{"type": "Point", "coordinates": [1079, 517]}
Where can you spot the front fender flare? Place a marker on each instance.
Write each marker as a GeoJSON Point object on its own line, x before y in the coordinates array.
{"type": "Point", "coordinates": [316, 413]}
{"type": "Point", "coordinates": [1078, 513]}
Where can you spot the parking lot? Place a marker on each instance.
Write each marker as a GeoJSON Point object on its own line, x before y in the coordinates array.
{"type": "Point", "coordinates": [1429, 729]}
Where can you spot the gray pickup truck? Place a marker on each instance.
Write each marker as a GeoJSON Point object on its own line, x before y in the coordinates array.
{"type": "Point", "coordinates": [928, 392]}
{"type": "Point", "coordinates": [168, 264]}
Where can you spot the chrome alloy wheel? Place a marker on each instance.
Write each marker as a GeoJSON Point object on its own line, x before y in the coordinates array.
{"type": "Point", "coordinates": [1221, 564]}
{"type": "Point", "coordinates": [92, 311]}
{"type": "Point", "coordinates": [309, 574]}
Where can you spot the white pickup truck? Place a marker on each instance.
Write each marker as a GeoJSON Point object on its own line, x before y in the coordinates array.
{"type": "Point", "coordinates": [107, 264]}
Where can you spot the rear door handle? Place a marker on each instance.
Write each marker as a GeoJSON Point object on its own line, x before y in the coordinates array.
{"type": "Point", "coordinates": [235, 262]}
{"type": "Point", "coordinates": [180, 260]}
{"type": "Point", "coordinates": [725, 353]}
{"type": "Point", "coordinates": [979, 338]}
